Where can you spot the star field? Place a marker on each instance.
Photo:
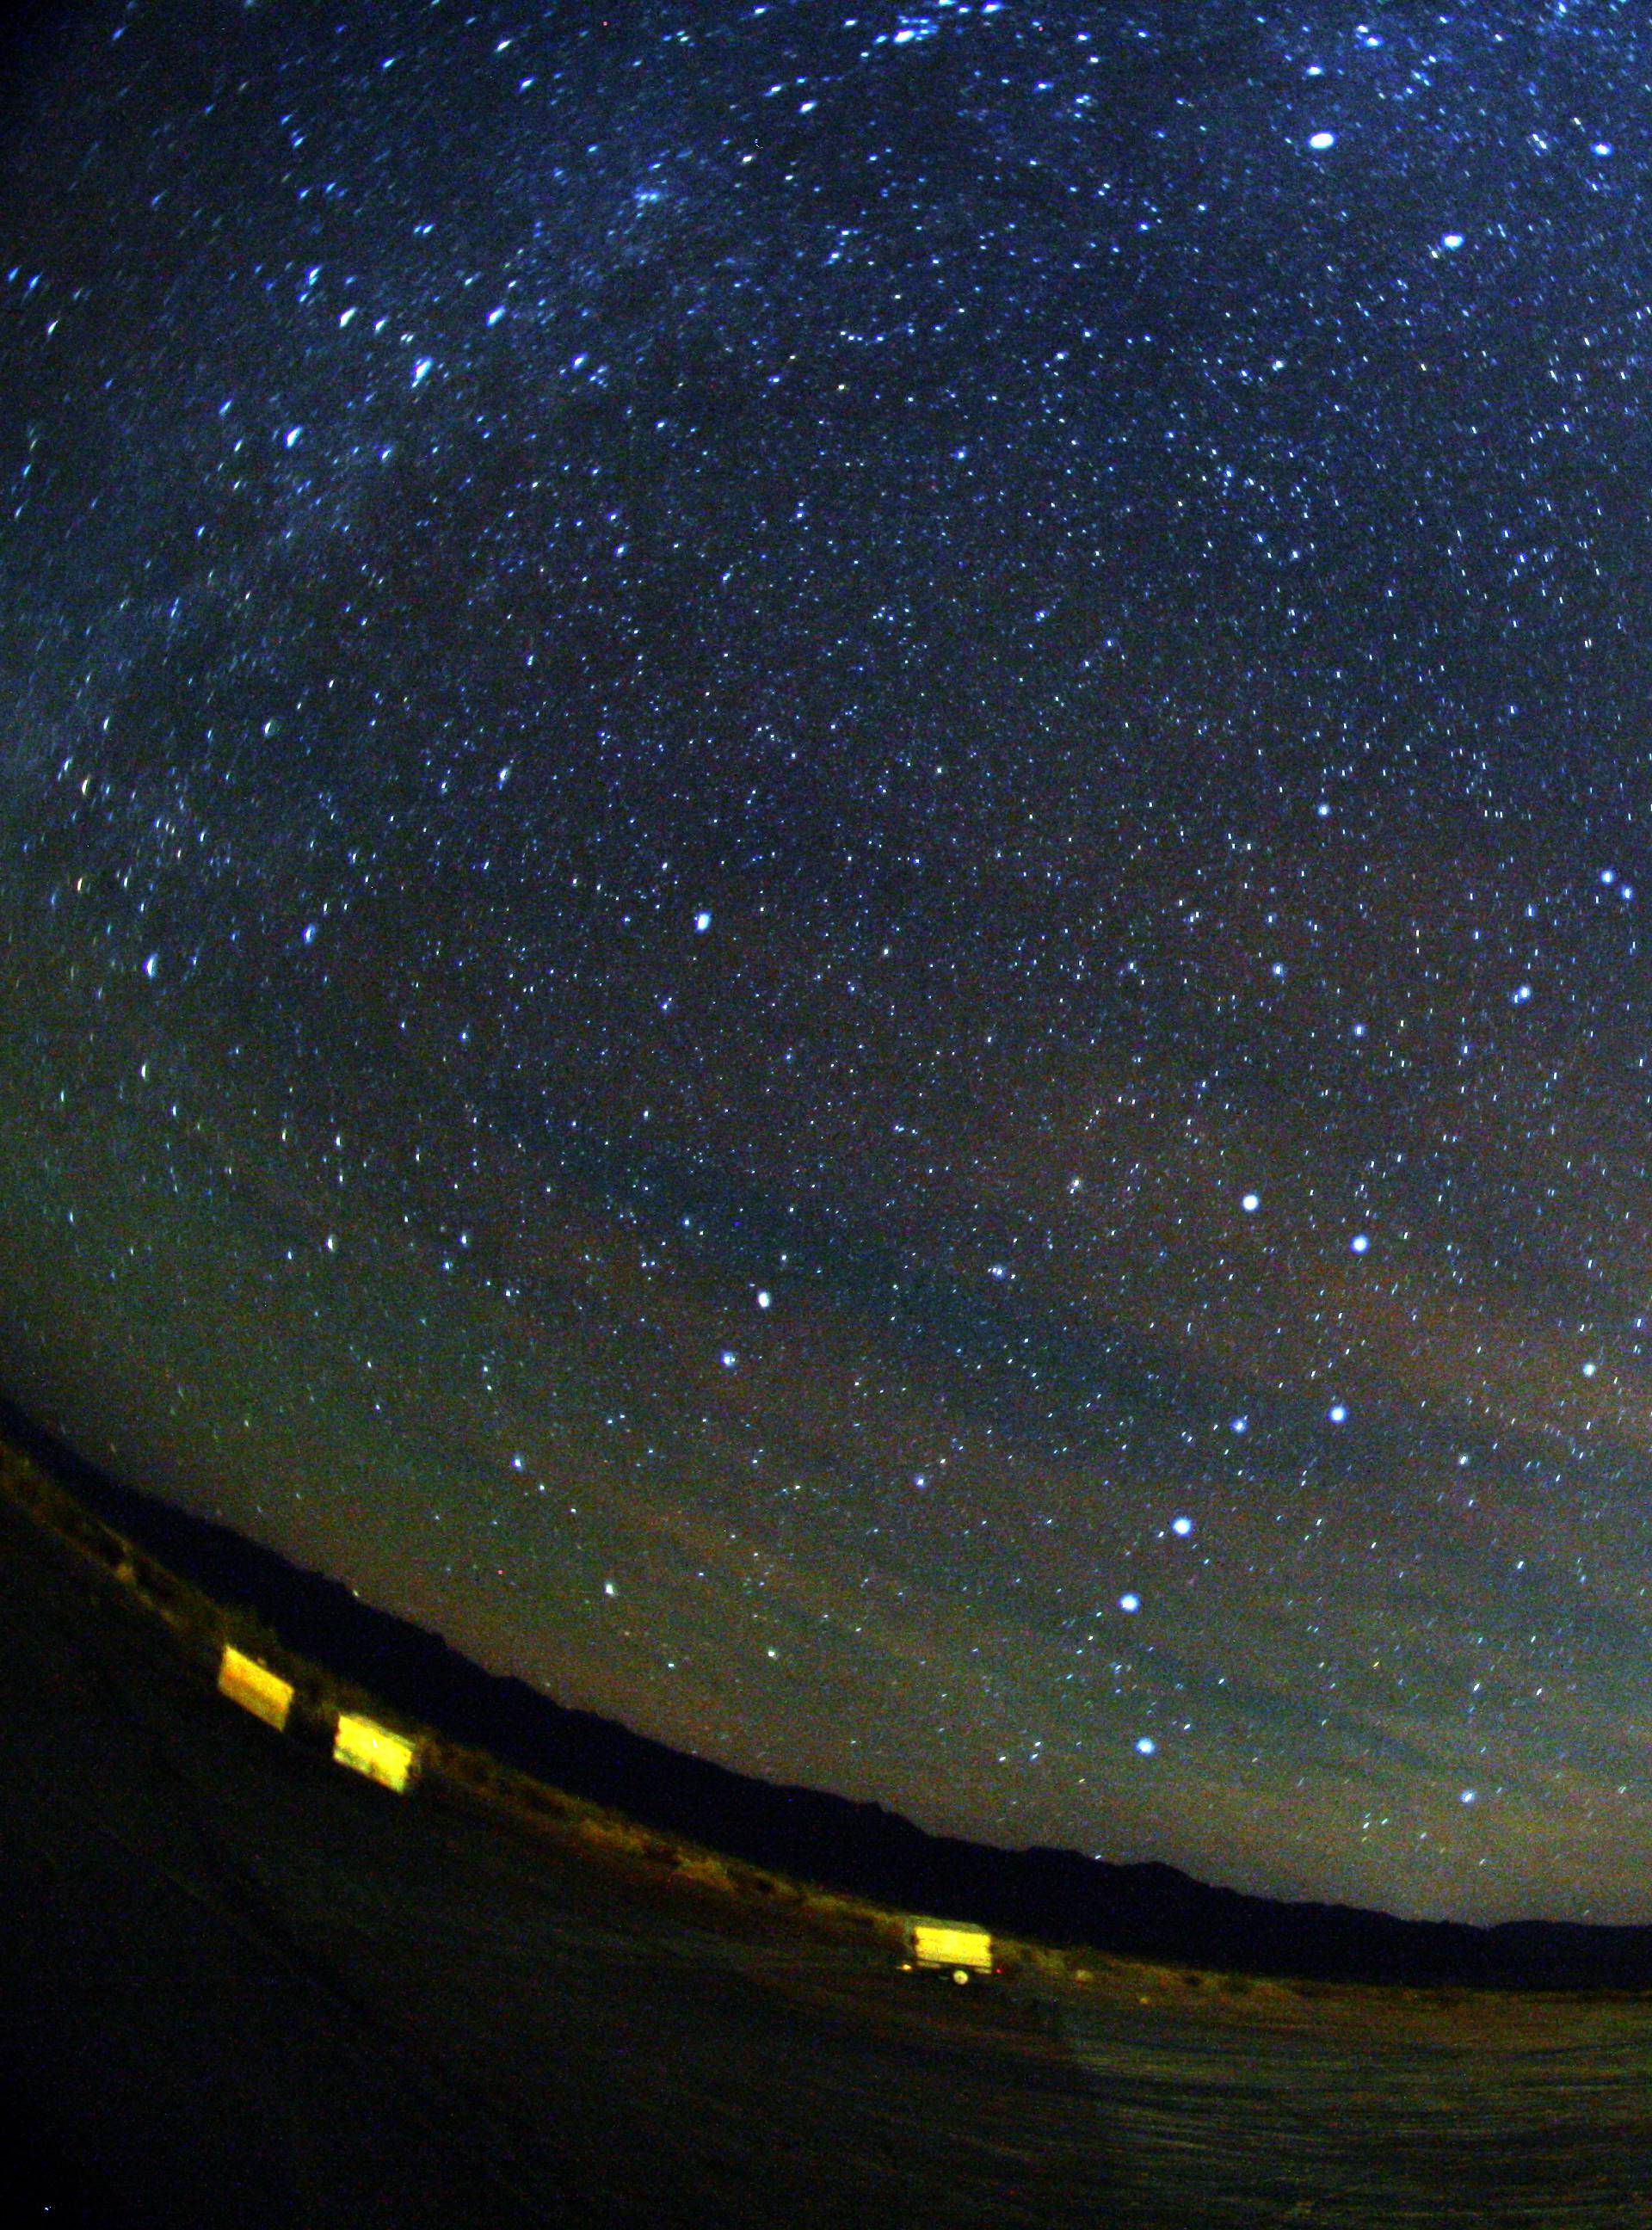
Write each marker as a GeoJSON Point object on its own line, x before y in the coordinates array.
{"type": "Point", "coordinates": [823, 833]}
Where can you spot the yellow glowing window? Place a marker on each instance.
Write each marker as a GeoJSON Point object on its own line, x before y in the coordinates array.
{"type": "Point", "coordinates": [365, 1747]}
{"type": "Point", "coordinates": [938, 1943]}
{"type": "Point", "coordinates": [255, 1688]}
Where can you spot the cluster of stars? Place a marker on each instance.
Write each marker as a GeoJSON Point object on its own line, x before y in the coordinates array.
{"type": "Point", "coordinates": [820, 845]}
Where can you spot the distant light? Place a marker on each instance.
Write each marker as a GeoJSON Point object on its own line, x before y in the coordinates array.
{"type": "Point", "coordinates": [292, 435]}
{"type": "Point", "coordinates": [609, 1588]}
{"type": "Point", "coordinates": [1452, 240]}
{"type": "Point", "coordinates": [1146, 1745]}
{"type": "Point", "coordinates": [494, 316]}
{"type": "Point", "coordinates": [1608, 875]}
{"type": "Point", "coordinates": [366, 1748]}
{"type": "Point", "coordinates": [1239, 1424]}
{"type": "Point", "coordinates": [1601, 147]}
{"type": "Point", "coordinates": [1182, 1525]}
{"type": "Point", "coordinates": [1130, 1603]}
{"type": "Point", "coordinates": [1320, 141]}
{"type": "Point", "coordinates": [1360, 1242]}
{"type": "Point", "coordinates": [1468, 1795]}
{"type": "Point", "coordinates": [311, 933]}
{"type": "Point", "coordinates": [1522, 993]}
{"type": "Point", "coordinates": [1251, 1203]}
{"type": "Point", "coordinates": [729, 1359]}
{"type": "Point", "coordinates": [703, 920]}
{"type": "Point", "coordinates": [422, 369]}
{"type": "Point", "coordinates": [1337, 1413]}
{"type": "Point", "coordinates": [765, 1297]}
{"type": "Point", "coordinates": [1590, 1370]}
{"type": "Point", "coordinates": [151, 966]}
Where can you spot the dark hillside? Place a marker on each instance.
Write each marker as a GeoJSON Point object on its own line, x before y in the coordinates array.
{"type": "Point", "coordinates": [1149, 1911]}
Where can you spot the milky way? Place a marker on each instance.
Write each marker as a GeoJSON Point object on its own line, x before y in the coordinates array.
{"type": "Point", "coordinates": [820, 835]}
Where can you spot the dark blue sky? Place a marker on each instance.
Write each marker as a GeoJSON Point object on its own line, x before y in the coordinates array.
{"type": "Point", "coordinates": [820, 832]}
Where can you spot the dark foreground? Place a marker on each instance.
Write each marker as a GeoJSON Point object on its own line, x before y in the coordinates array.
{"type": "Point", "coordinates": [239, 1986]}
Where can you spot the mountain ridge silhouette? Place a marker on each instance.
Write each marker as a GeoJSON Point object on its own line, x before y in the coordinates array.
{"type": "Point", "coordinates": [1145, 1910]}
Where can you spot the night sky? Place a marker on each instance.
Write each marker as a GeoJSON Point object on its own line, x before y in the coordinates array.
{"type": "Point", "coordinates": [820, 839]}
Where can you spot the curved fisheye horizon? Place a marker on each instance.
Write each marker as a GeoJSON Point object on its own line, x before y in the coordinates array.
{"type": "Point", "coordinates": [822, 840]}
